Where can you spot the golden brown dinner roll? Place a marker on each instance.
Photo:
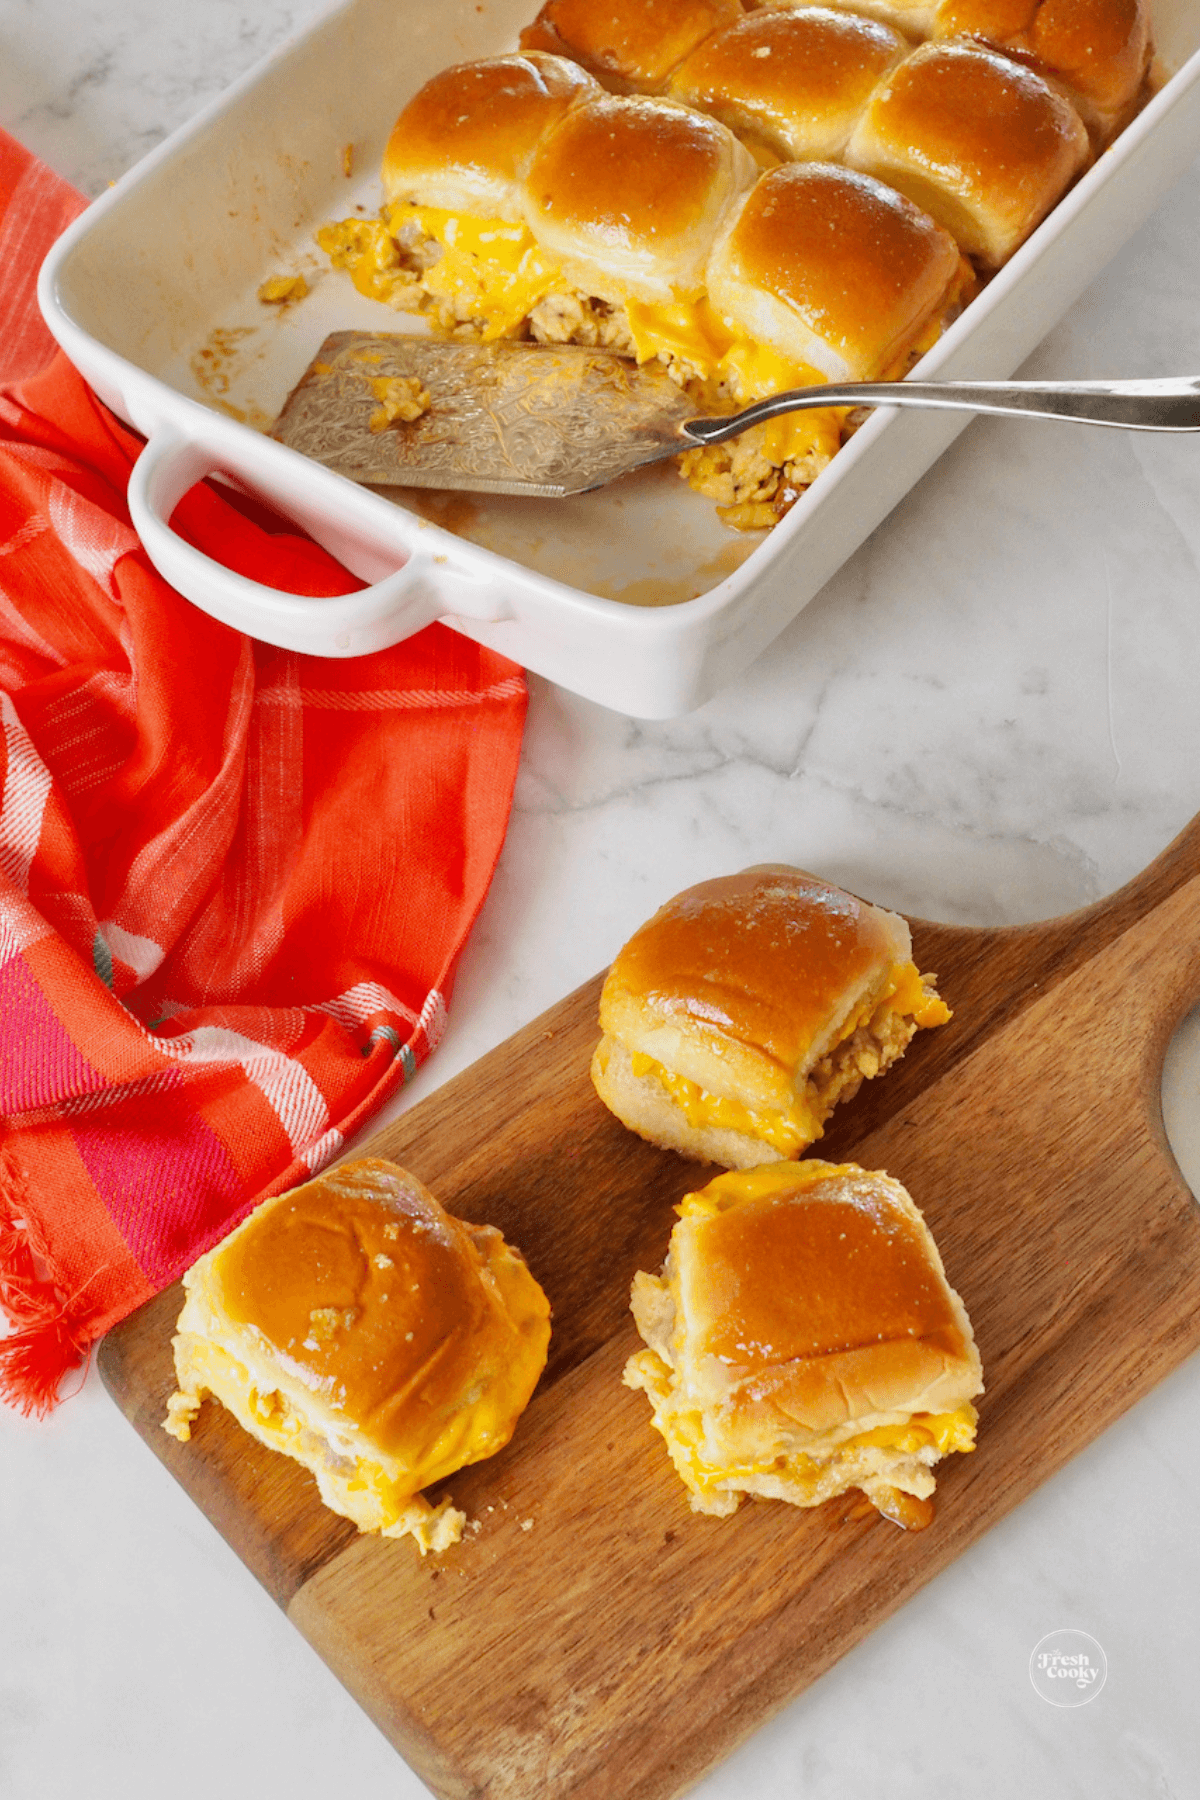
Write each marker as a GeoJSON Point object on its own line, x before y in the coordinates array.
{"type": "Point", "coordinates": [356, 1326]}
{"type": "Point", "coordinates": [632, 45]}
{"type": "Point", "coordinates": [983, 144]}
{"type": "Point", "coordinates": [793, 81]}
{"type": "Point", "coordinates": [1097, 51]}
{"type": "Point", "coordinates": [466, 140]}
{"type": "Point", "coordinates": [833, 269]}
{"type": "Point", "coordinates": [747, 1007]}
{"type": "Point", "coordinates": [626, 195]}
{"type": "Point", "coordinates": [803, 1340]}
{"type": "Point", "coordinates": [453, 242]}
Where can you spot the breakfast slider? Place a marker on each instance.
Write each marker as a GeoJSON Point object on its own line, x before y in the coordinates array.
{"type": "Point", "coordinates": [631, 45]}
{"type": "Point", "coordinates": [600, 215]}
{"type": "Point", "coordinates": [803, 1340]}
{"type": "Point", "coordinates": [359, 1328]}
{"type": "Point", "coordinates": [790, 82]}
{"type": "Point", "coordinates": [1096, 51]}
{"type": "Point", "coordinates": [738, 1017]}
{"type": "Point", "coordinates": [981, 143]}
{"type": "Point", "coordinates": [452, 239]}
{"type": "Point", "coordinates": [834, 270]}
{"type": "Point", "coordinates": [628, 194]}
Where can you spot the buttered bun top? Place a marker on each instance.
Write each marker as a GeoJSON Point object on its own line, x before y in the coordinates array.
{"type": "Point", "coordinates": [627, 195]}
{"type": "Point", "coordinates": [386, 1306]}
{"type": "Point", "coordinates": [631, 45]}
{"type": "Point", "coordinates": [915, 18]}
{"type": "Point", "coordinates": [795, 81]}
{"type": "Point", "coordinates": [467, 139]}
{"type": "Point", "coordinates": [982, 144]}
{"type": "Point", "coordinates": [770, 958]}
{"type": "Point", "coordinates": [815, 1292]}
{"type": "Point", "coordinates": [1097, 51]}
{"type": "Point", "coordinates": [833, 269]}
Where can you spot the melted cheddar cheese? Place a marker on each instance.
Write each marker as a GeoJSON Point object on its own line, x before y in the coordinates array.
{"type": "Point", "coordinates": [683, 1431]}
{"type": "Point", "coordinates": [356, 1486]}
{"type": "Point", "coordinates": [368, 252]}
{"type": "Point", "coordinates": [695, 334]}
{"type": "Point", "coordinates": [492, 271]}
{"type": "Point", "coordinates": [947, 1432]}
{"type": "Point", "coordinates": [910, 997]}
{"type": "Point", "coordinates": [803, 1122]}
{"type": "Point", "coordinates": [786, 1132]}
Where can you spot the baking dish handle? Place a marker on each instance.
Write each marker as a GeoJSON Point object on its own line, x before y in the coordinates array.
{"type": "Point", "coordinates": [343, 625]}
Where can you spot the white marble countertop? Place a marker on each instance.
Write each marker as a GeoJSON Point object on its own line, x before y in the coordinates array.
{"type": "Point", "coordinates": [991, 714]}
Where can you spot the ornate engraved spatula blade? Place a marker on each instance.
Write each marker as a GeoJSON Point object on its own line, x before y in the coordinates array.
{"type": "Point", "coordinates": [503, 418]}
{"type": "Point", "coordinates": [551, 420]}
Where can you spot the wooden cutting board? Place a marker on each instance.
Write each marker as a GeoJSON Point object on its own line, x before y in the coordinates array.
{"type": "Point", "coordinates": [595, 1639]}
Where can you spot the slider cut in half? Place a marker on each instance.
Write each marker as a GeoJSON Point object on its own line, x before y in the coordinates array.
{"type": "Point", "coordinates": [803, 1340]}
{"type": "Point", "coordinates": [739, 1016]}
{"type": "Point", "coordinates": [632, 45]}
{"type": "Point", "coordinates": [359, 1328]}
{"type": "Point", "coordinates": [982, 143]}
{"type": "Point", "coordinates": [793, 82]}
{"type": "Point", "coordinates": [1097, 51]}
{"type": "Point", "coordinates": [837, 271]}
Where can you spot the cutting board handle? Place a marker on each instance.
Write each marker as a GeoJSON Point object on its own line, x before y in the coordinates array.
{"type": "Point", "coordinates": [1178, 863]}
{"type": "Point", "coordinates": [1145, 939]}
{"type": "Point", "coordinates": [1148, 977]}
{"type": "Point", "coordinates": [1136, 951]}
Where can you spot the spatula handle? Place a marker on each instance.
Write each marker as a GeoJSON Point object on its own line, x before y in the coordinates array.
{"type": "Point", "coordinates": [1170, 404]}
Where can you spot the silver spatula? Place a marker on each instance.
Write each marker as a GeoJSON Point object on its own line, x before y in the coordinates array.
{"type": "Point", "coordinates": [550, 420]}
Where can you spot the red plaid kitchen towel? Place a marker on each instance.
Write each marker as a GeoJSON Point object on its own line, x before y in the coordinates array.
{"type": "Point", "coordinates": [234, 881]}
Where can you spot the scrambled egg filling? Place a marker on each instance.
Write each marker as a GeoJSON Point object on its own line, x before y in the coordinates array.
{"type": "Point", "coordinates": [282, 290]}
{"type": "Point", "coordinates": [402, 398]}
{"type": "Point", "coordinates": [356, 1486]}
{"type": "Point", "coordinates": [488, 279]}
{"type": "Point", "coordinates": [371, 257]}
{"type": "Point", "coordinates": [924, 1437]}
{"type": "Point", "coordinates": [788, 1132]}
{"type": "Point", "coordinates": [875, 1034]}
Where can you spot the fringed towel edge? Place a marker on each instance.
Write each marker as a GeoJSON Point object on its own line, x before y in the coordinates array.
{"type": "Point", "coordinates": [49, 1335]}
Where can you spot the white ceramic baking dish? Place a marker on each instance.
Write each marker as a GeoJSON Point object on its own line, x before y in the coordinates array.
{"type": "Point", "coordinates": [637, 596]}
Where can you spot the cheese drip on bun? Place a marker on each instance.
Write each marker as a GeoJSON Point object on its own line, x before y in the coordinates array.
{"type": "Point", "coordinates": [748, 1007]}
{"type": "Point", "coordinates": [360, 1329]}
{"type": "Point", "coordinates": [802, 1340]}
